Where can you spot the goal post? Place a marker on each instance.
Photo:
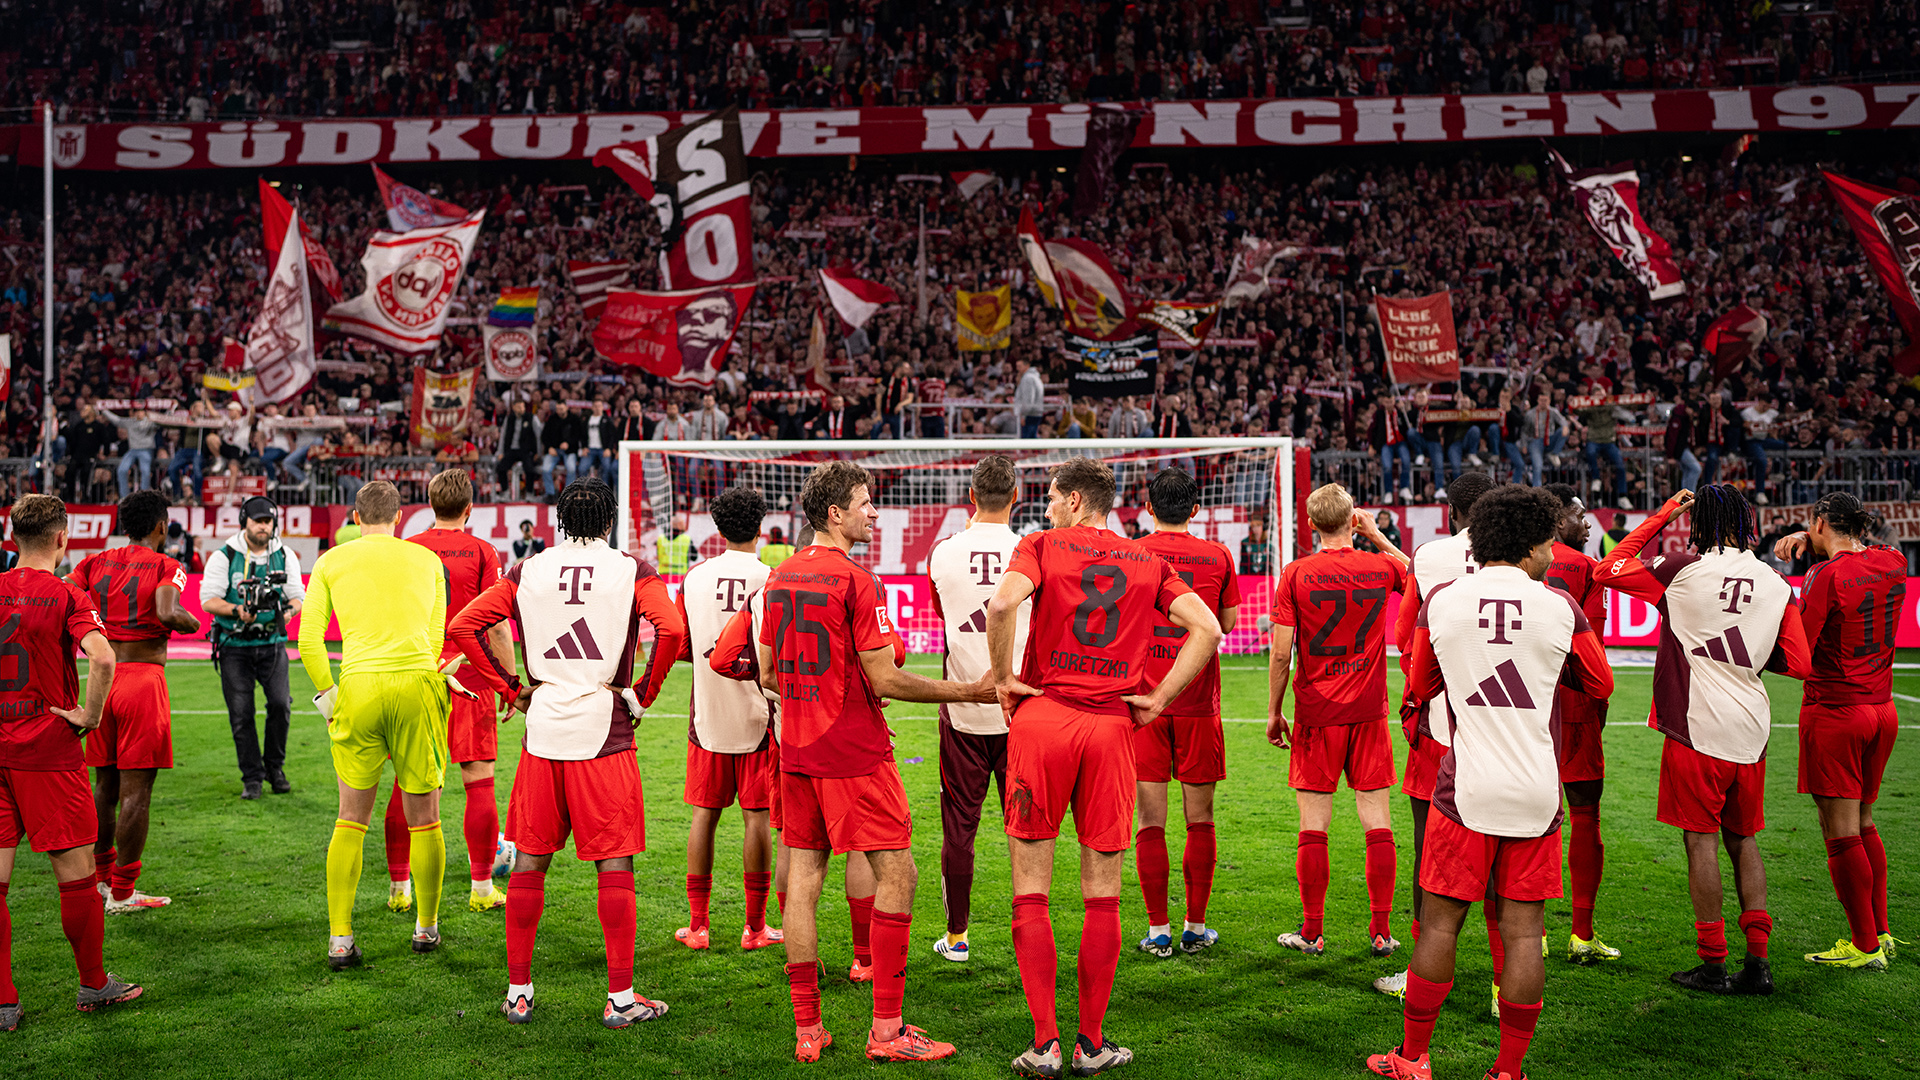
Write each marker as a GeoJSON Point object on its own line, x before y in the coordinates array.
{"type": "Point", "coordinates": [920, 490]}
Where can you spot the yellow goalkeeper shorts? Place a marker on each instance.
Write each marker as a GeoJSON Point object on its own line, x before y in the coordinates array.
{"type": "Point", "coordinates": [401, 716]}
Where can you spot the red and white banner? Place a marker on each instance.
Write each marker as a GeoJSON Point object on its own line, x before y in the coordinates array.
{"type": "Point", "coordinates": [411, 278]}
{"type": "Point", "coordinates": [410, 208]}
{"type": "Point", "coordinates": [695, 177]}
{"type": "Point", "coordinates": [591, 280]}
{"type": "Point", "coordinates": [1091, 294]}
{"type": "Point", "coordinates": [680, 336]}
{"type": "Point", "coordinates": [1732, 338]}
{"type": "Point", "coordinates": [265, 144]}
{"type": "Point", "coordinates": [513, 353]}
{"type": "Point", "coordinates": [972, 181]}
{"type": "Point", "coordinates": [275, 214]}
{"type": "Point", "coordinates": [1888, 225]}
{"type": "Point", "coordinates": [1419, 340]}
{"type": "Point", "coordinates": [280, 341]}
{"type": "Point", "coordinates": [1610, 198]}
{"type": "Point", "coordinates": [854, 299]}
{"type": "Point", "coordinates": [441, 408]}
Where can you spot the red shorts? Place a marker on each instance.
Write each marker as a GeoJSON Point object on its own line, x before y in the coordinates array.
{"type": "Point", "coordinates": [1701, 793]}
{"type": "Point", "coordinates": [1060, 757]}
{"type": "Point", "coordinates": [1581, 756]}
{"type": "Point", "coordinates": [1844, 749]}
{"type": "Point", "coordinates": [846, 813]}
{"type": "Point", "coordinates": [473, 734]}
{"type": "Point", "coordinates": [136, 727]}
{"type": "Point", "coordinates": [716, 780]}
{"type": "Point", "coordinates": [1190, 749]}
{"type": "Point", "coordinates": [1460, 863]}
{"type": "Point", "coordinates": [1423, 768]}
{"type": "Point", "coordinates": [1321, 753]}
{"type": "Point", "coordinates": [598, 800]}
{"type": "Point", "coordinates": [54, 808]}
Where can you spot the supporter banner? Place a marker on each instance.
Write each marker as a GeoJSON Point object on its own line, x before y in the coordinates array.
{"type": "Point", "coordinates": [1594, 401]}
{"type": "Point", "coordinates": [410, 208]}
{"type": "Point", "coordinates": [1035, 249]}
{"type": "Point", "coordinates": [972, 181]}
{"type": "Point", "coordinates": [441, 407]}
{"type": "Point", "coordinates": [591, 280]}
{"type": "Point", "coordinates": [1247, 278]}
{"type": "Point", "coordinates": [1188, 323]}
{"type": "Point", "coordinates": [1419, 339]}
{"type": "Point", "coordinates": [1732, 338]}
{"type": "Point", "coordinates": [262, 144]}
{"type": "Point", "coordinates": [1109, 132]}
{"type": "Point", "coordinates": [411, 278]}
{"type": "Point", "coordinates": [276, 212]}
{"type": "Point", "coordinates": [1888, 225]}
{"type": "Point", "coordinates": [681, 336]}
{"type": "Point", "coordinates": [1112, 367]}
{"type": "Point", "coordinates": [854, 299]}
{"type": "Point", "coordinates": [513, 353]}
{"type": "Point", "coordinates": [280, 342]}
{"type": "Point", "coordinates": [695, 177]}
{"type": "Point", "coordinates": [983, 321]}
{"type": "Point", "coordinates": [1610, 198]}
{"type": "Point", "coordinates": [1090, 291]}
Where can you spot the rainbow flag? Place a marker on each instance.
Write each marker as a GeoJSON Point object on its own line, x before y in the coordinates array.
{"type": "Point", "coordinates": [516, 307]}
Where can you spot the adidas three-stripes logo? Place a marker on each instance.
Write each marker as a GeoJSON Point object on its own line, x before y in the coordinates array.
{"type": "Point", "coordinates": [1503, 689]}
{"type": "Point", "coordinates": [977, 624]}
{"type": "Point", "coordinates": [1728, 648]}
{"type": "Point", "coordinates": [577, 645]}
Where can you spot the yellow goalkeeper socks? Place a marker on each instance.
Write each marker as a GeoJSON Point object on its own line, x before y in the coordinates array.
{"type": "Point", "coordinates": [429, 856]}
{"type": "Point", "coordinates": [343, 874]}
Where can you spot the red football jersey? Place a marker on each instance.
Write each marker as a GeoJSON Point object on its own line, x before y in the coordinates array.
{"type": "Point", "coordinates": [822, 611]}
{"type": "Point", "coordinates": [1336, 602]}
{"type": "Point", "coordinates": [1096, 596]}
{"type": "Point", "coordinates": [471, 565]}
{"type": "Point", "coordinates": [1572, 573]}
{"type": "Point", "coordinates": [122, 582]}
{"type": "Point", "coordinates": [42, 621]}
{"type": "Point", "coordinates": [1207, 568]}
{"type": "Point", "coordinates": [1850, 607]}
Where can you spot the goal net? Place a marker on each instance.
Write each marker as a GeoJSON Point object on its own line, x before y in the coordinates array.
{"type": "Point", "coordinates": [1251, 496]}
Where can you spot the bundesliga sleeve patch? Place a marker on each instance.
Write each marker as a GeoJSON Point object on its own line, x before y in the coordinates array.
{"type": "Point", "coordinates": [880, 615]}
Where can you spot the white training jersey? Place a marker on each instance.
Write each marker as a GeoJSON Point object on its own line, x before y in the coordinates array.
{"type": "Point", "coordinates": [575, 607]}
{"type": "Point", "coordinates": [1501, 639]}
{"type": "Point", "coordinates": [724, 715]}
{"type": "Point", "coordinates": [1719, 620]}
{"type": "Point", "coordinates": [1435, 563]}
{"type": "Point", "coordinates": [965, 571]}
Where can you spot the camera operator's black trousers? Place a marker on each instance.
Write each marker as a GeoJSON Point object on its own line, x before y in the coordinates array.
{"type": "Point", "coordinates": [241, 666]}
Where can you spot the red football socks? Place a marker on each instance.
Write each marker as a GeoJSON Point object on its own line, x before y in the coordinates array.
{"type": "Point", "coordinates": [1853, 883]}
{"type": "Point", "coordinates": [1496, 945]}
{"type": "Point", "coordinates": [1381, 856]}
{"type": "Point", "coordinates": [1099, 960]}
{"type": "Point", "coordinates": [526, 898]}
{"type": "Point", "coordinates": [1196, 871]}
{"type": "Point", "coordinates": [1877, 860]}
{"type": "Point", "coordinates": [1516, 1031]}
{"type": "Point", "coordinates": [781, 896]}
{"type": "Point", "coordinates": [103, 865]}
{"type": "Point", "coordinates": [756, 883]}
{"type": "Point", "coordinates": [1710, 940]}
{"type": "Point", "coordinates": [9, 995]}
{"type": "Point", "coordinates": [1039, 960]}
{"type": "Point", "coordinates": [803, 985]}
{"type": "Point", "coordinates": [1150, 859]}
{"type": "Point", "coordinates": [399, 840]}
{"type": "Point", "coordinates": [122, 880]}
{"type": "Point", "coordinates": [1310, 865]}
{"type": "Point", "coordinates": [892, 935]}
{"type": "Point", "coordinates": [1423, 1008]}
{"type": "Point", "coordinates": [699, 892]}
{"type": "Point", "coordinates": [1586, 855]}
{"type": "Point", "coordinates": [617, 918]}
{"type": "Point", "coordinates": [1758, 926]}
{"type": "Point", "coordinates": [85, 924]}
{"type": "Point", "coordinates": [860, 912]}
{"type": "Point", "coordinates": [481, 826]}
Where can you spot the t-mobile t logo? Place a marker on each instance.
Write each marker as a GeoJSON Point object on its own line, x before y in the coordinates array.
{"type": "Point", "coordinates": [730, 592]}
{"type": "Point", "coordinates": [1500, 624]}
{"type": "Point", "coordinates": [1734, 591]}
{"type": "Point", "coordinates": [987, 564]}
{"type": "Point", "coordinates": [570, 580]}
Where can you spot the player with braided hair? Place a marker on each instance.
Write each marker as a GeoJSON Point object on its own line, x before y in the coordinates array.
{"type": "Point", "coordinates": [578, 605]}
{"type": "Point", "coordinates": [1725, 615]}
{"type": "Point", "coordinates": [1850, 605]}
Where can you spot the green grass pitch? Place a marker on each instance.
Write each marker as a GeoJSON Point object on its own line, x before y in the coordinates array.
{"type": "Point", "coordinates": [236, 986]}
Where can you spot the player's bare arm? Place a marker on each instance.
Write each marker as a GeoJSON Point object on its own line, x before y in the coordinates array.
{"type": "Point", "coordinates": [1279, 674]}
{"type": "Point", "coordinates": [172, 614]}
{"type": "Point", "coordinates": [100, 664]}
{"type": "Point", "coordinates": [1189, 613]}
{"type": "Point", "coordinates": [893, 683]}
{"type": "Point", "coordinates": [1364, 524]}
{"type": "Point", "coordinates": [1002, 620]}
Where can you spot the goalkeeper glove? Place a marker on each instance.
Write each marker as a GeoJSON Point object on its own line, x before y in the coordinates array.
{"type": "Point", "coordinates": [324, 701]}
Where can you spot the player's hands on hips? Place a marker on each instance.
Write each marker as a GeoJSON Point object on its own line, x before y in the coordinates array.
{"type": "Point", "coordinates": [1009, 694]}
{"type": "Point", "coordinates": [1143, 707]}
{"type": "Point", "coordinates": [984, 692]}
{"type": "Point", "coordinates": [517, 703]}
{"type": "Point", "coordinates": [1791, 546]}
{"type": "Point", "coordinates": [77, 719]}
{"type": "Point", "coordinates": [324, 701]}
{"type": "Point", "coordinates": [1277, 731]}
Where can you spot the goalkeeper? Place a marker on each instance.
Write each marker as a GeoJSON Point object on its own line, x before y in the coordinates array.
{"type": "Point", "coordinates": [391, 701]}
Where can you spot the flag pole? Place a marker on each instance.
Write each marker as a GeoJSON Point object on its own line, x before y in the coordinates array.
{"type": "Point", "coordinates": [920, 264]}
{"type": "Point", "coordinates": [46, 300]}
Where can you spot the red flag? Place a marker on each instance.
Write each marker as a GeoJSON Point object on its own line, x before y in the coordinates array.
{"type": "Point", "coordinates": [234, 357]}
{"type": "Point", "coordinates": [855, 299]}
{"type": "Point", "coordinates": [1888, 225]}
{"type": "Point", "coordinates": [681, 336]}
{"type": "Point", "coordinates": [410, 208]}
{"type": "Point", "coordinates": [591, 280]}
{"type": "Point", "coordinates": [633, 163]}
{"type": "Point", "coordinates": [1418, 334]}
{"type": "Point", "coordinates": [1090, 291]}
{"type": "Point", "coordinates": [1732, 338]}
{"type": "Point", "coordinates": [971, 181]}
{"type": "Point", "coordinates": [275, 212]}
{"type": "Point", "coordinates": [695, 177]}
{"type": "Point", "coordinates": [1610, 198]}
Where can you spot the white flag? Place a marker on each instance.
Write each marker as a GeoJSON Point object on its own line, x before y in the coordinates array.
{"type": "Point", "coordinates": [280, 343]}
{"type": "Point", "coordinates": [513, 353]}
{"type": "Point", "coordinates": [411, 279]}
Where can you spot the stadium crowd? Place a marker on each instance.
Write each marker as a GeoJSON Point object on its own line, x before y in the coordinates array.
{"type": "Point", "coordinates": [151, 282]}
{"type": "Point", "coordinates": [233, 59]}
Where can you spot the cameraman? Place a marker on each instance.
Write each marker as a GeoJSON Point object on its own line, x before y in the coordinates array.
{"type": "Point", "coordinates": [250, 642]}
